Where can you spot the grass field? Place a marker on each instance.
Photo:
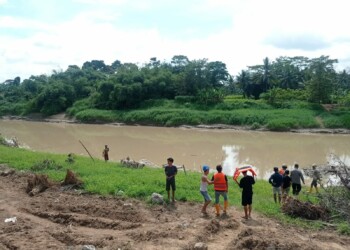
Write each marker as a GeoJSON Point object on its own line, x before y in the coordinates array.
{"type": "Point", "coordinates": [110, 178]}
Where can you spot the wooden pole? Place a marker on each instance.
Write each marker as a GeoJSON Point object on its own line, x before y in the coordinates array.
{"type": "Point", "coordinates": [87, 151]}
{"type": "Point", "coordinates": [184, 169]}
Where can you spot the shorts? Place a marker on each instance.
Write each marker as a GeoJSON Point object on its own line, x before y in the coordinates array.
{"type": "Point", "coordinates": [217, 196]}
{"type": "Point", "coordinates": [170, 183]}
{"type": "Point", "coordinates": [286, 190]}
{"type": "Point", "coordinates": [247, 199]}
{"type": "Point", "coordinates": [276, 190]}
{"type": "Point", "coordinates": [206, 196]}
{"type": "Point", "coordinates": [314, 183]}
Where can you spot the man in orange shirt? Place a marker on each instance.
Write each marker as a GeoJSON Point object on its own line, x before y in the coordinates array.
{"type": "Point", "coordinates": [283, 169]}
{"type": "Point", "coordinates": [220, 187]}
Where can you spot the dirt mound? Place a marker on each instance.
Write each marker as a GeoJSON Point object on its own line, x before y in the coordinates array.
{"type": "Point", "coordinates": [67, 220]}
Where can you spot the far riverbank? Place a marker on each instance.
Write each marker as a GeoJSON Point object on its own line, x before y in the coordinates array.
{"type": "Point", "coordinates": [62, 118]}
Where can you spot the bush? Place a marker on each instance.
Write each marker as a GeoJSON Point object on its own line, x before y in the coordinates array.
{"type": "Point", "coordinates": [344, 228]}
{"type": "Point", "coordinates": [278, 95]}
{"type": "Point", "coordinates": [184, 98]}
{"type": "Point", "coordinates": [96, 115]}
{"type": "Point", "coordinates": [284, 124]}
{"type": "Point", "coordinates": [80, 106]}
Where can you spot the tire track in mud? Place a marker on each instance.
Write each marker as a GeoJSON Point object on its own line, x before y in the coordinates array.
{"type": "Point", "coordinates": [85, 220]}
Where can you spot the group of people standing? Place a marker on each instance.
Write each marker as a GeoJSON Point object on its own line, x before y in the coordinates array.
{"type": "Point", "coordinates": [282, 180]}
{"type": "Point", "coordinates": [220, 182]}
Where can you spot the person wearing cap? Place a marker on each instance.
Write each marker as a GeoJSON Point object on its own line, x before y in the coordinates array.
{"type": "Point", "coordinates": [170, 172]}
{"type": "Point", "coordinates": [246, 183]}
{"type": "Point", "coordinates": [283, 169]}
{"type": "Point", "coordinates": [276, 181]}
{"type": "Point", "coordinates": [297, 176]}
{"type": "Point", "coordinates": [315, 177]}
{"type": "Point", "coordinates": [220, 187]}
{"type": "Point", "coordinates": [204, 189]}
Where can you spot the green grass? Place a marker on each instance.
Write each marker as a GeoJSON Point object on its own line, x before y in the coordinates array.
{"type": "Point", "coordinates": [109, 178]}
{"type": "Point", "coordinates": [235, 110]}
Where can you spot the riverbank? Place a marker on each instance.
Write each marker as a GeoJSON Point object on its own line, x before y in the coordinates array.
{"type": "Point", "coordinates": [114, 211]}
{"type": "Point", "coordinates": [59, 219]}
{"type": "Point", "coordinates": [62, 118]}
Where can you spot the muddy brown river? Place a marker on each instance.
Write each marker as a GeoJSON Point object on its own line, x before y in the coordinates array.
{"type": "Point", "coordinates": [189, 147]}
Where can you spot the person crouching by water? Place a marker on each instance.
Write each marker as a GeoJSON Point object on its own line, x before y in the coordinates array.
{"type": "Point", "coordinates": [276, 182]}
{"type": "Point", "coordinates": [105, 153]}
{"type": "Point", "coordinates": [220, 187]}
{"type": "Point", "coordinates": [204, 189]}
{"type": "Point", "coordinates": [170, 172]}
{"type": "Point", "coordinates": [246, 183]}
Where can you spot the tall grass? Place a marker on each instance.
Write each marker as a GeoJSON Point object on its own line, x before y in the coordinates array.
{"type": "Point", "coordinates": [235, 110]}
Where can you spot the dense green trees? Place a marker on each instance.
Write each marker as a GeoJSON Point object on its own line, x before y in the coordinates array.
{"type": "Point", "coordinates": [127, 85]}
{"type": "Point", "coordinates": [316, 77]}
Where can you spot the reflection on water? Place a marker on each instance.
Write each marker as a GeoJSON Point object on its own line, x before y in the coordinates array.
{"type": "Point", "coordinates": [231, 161]}
{"type": "Point", "coordinates": [189, 147]}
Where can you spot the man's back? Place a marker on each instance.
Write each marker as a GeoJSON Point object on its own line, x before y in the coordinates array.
{"type": "Point", "coordinates": [296, 176]}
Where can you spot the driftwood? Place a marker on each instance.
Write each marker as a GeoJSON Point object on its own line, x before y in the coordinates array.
{"type": "Point", "coordinates": [37, 184]}
{"type": "Point", "coordinates": [71, 179]}
{"type": "Point", "coordinates": [307, 210]}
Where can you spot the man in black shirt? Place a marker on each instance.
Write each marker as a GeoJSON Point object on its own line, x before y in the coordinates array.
{"type": "Point", "coordinates": [246, 183]}
{"type": "Point", "coordinates": [286, 183]}
{"type": "Point", "coordinates": [170, 172]}
{"type": "Point", "coordinates": [276, 182]}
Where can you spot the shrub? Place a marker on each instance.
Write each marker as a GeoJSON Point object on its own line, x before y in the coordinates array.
{"type": "Point", "coordinates": [184, 98]}
{"type": "Point", "coordinates": [284, 124]}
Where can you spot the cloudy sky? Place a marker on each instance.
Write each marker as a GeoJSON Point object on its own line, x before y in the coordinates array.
{"type": "Point", "coordinates": [39, 36]}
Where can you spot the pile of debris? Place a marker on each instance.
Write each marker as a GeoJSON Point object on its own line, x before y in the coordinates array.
{"type": "Point", "coordinates": [307, 210]}
{"type": "Point", "coordinates": [5, 170]}
{"type": "Point", "coordinates": [127, 162]}
{"type": "Point", "coordinates": [13, 142]}
{"type": "Point", "coordinates": [37, 183]}
{"type": "Point", "coordinates": [335, 195]}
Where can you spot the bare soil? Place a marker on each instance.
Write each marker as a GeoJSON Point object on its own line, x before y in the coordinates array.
{"type": "Point", "coordinates": [56, 219]}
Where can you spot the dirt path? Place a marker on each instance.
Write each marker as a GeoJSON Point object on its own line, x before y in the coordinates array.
{"type": "Point", "coordinates": [66, 220]}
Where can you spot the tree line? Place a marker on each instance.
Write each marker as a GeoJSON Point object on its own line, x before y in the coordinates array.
{"type": "Point", "coordinates": [121, 86]}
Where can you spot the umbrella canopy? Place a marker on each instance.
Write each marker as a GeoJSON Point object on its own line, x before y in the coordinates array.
{"type": "Point", "coordinates": [243, 169]}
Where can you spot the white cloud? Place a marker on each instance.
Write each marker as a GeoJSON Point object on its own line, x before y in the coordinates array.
{"type": "Point", "coordinates": [258, 29]}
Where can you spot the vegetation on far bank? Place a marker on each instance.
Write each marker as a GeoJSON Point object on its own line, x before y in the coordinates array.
{"type": "Point", "coordinates": [287, 93]}
{"type": "Point", "coordinates": [110, 178]}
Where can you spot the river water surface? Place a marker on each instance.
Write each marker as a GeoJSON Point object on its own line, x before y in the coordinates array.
{"type": "Point", "coordinates": [189, 147]}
